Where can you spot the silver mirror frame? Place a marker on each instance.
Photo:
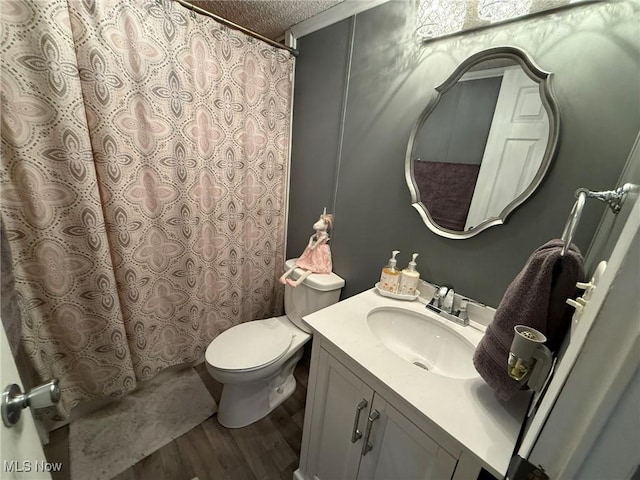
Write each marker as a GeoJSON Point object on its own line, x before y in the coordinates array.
{"type": "Point", "coordinates": [543, 79]}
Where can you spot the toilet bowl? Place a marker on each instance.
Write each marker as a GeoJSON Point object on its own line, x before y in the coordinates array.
{"type": "Point", "coordinates": [255, 360]}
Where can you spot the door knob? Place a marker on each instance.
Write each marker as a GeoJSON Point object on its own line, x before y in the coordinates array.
{"type": "Point", "coordinates": [13, 400]}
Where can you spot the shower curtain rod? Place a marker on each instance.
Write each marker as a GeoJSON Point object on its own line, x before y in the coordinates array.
{"type": "Point", "coordinates": [235, 26]}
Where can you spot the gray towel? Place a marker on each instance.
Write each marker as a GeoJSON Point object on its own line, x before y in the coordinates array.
{"type": "Point", "coordinates": [536, 298]}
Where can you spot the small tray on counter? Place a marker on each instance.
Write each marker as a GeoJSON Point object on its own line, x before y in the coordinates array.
{"type": "Point", "coordinates": [396, 296]}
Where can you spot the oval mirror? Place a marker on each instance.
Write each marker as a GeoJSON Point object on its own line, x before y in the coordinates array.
{"type": "Point", "coordinates": [483, 144]}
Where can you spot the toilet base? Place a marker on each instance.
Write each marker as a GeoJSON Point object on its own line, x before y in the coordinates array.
{"type": "Point", "coordinates": [242, 404]}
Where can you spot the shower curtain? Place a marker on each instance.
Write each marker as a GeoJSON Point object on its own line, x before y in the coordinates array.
{"type": "Point", "coordinates": [143, 182]}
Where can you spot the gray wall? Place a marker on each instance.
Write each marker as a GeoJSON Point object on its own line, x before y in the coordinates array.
{"type": "Point", "coordinates": [353, 115]}
{"type": "Point", "coordinates": [316, 129]}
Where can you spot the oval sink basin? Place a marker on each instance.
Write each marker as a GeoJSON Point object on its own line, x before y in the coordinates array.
{"type": "Point", "coordinates": [423, 342]}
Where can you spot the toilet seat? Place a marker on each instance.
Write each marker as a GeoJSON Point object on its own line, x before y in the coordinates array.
{"type": "Point", "coordinates": [249, 346]}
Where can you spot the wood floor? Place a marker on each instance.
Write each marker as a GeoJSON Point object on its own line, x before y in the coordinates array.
{"type": "Point", "coordinates": [266, 450]}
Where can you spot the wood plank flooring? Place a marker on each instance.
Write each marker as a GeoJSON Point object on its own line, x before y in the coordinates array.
{"type": "Point", "coordinates": [266, 450]}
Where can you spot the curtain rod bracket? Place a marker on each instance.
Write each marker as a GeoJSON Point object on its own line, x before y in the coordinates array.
{"type": "Point", "coordinates": [195, 9]}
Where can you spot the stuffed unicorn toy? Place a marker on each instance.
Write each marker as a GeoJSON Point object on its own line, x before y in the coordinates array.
{"type": "Point", "coordinates": [316, 257]}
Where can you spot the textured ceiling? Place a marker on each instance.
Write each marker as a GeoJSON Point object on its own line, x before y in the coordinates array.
{"type": "Point", "coordinates": [270, 18]}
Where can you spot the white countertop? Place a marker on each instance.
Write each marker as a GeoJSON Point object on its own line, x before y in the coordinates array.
{"type": "Point", "coordinates": [467, 410]}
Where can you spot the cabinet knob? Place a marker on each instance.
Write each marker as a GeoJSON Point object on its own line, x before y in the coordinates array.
{"type": "Point", "coordinates": [356, 434]}
{"type": "Point", "coordinates": [368, 446]}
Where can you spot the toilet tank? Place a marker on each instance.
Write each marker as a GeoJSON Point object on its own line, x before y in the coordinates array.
{"type": "Point", "coordinates": [317, 291]}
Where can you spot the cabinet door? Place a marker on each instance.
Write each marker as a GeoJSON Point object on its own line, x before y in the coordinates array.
{"type": "Point", "coordinates": [340, 408]}
{"type": "Point", "coordinates": [397, 449]}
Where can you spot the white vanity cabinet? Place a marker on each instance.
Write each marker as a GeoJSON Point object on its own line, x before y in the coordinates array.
{"type": "Point", "coordinates": [425, 424]}
{"type": "Point", "coordinates": [352, 432]}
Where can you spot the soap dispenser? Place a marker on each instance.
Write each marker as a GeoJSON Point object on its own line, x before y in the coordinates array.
{"type": "Point", "coordinates": [390, 277]}
{"type": "Point", "coordinates": [409, 278]}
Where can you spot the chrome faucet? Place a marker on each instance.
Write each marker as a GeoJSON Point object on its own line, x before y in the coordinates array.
{"type": "Point", "coordinates": [442, 303]}
{"type": "Point", "coordinates": [449, 300]}
{"type": "Point", "coordinates": [439, 296]}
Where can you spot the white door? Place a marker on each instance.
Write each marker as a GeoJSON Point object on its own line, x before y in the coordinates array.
{"type": "Point", "coordinates": [601, 356]}
{"type": "Point", "coordinates": [20, 447]}
{"type": "Point", "coordinates": [515, 146]}
{"type": "Point", "coordinates": [340, 412]}
{"type": "Point", "coordinates": [603, 359]}
{"type": "Point", "coordinates": [397, 449]}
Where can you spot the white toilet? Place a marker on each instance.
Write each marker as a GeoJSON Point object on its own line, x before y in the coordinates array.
{"type": "Point", "coordinates": [255, 360]}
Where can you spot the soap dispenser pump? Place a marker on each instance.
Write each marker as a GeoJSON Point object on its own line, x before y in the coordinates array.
{"type": "Point", "coordinates": [390, 277]}
{"type": "Point", "coordinates": [409, 278]}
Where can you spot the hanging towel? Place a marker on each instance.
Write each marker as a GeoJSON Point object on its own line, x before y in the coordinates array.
{"type": "Point", "coordinates": [536, 298]}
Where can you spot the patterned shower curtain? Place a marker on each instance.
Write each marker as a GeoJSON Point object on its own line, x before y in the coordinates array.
{"type": "Point", "coordinates": [144, 172]}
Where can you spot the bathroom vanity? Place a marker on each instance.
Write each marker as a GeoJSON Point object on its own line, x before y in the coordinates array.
{"type": "Point", "coordinates": [380, 407]}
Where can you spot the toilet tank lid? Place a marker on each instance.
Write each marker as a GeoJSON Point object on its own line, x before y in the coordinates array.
{"type": "Point", "coordinates": [323, 282]}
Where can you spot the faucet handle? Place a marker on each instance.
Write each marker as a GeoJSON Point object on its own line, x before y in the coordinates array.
{"type": "Point", "coordinates": [474, 302]}
{"type": "Point", "coordinates": [442, 290]}
{"type": "Point", "coordinates": [463, 313]}
{"type": "Point", "coordinates": [439, 295]}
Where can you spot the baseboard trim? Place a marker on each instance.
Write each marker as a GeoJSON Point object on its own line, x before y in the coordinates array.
{"type": "Point", "coordinates": [298, 475]}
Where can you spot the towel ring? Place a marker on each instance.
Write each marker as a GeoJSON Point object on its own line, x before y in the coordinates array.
{"type": "Point", "coordinates": [614, 198]}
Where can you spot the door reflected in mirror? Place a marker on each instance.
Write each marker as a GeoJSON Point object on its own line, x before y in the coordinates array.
{"type": "Point", "coordinates": [483, 144]}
